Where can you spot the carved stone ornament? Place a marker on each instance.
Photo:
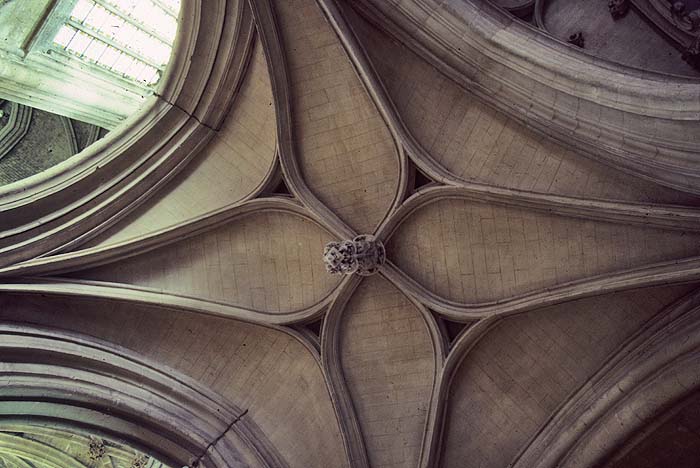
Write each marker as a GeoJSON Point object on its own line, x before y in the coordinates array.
{"type": "Point", "coordinates": [139, 462]}
{"type": "Point", "coordinates": [577, 39]}
{"type": "Point", "coordinates": [686, 20]}
{"type": "Point", "coordinates": [618, 8]}
{"type": "Point", "coordinates": [692, 54]}
{"type": "Point", "coordinates": [96, 449]}
{"type": "Point", "coordinates": [362, 255]}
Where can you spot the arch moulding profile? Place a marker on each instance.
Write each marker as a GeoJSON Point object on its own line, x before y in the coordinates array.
{"type": "Point", "coordinates": [59, 208]}
{"type": "Point", "coordinates": [641, 122]}
{"type": "Point", "coordinates": [65, 380]}
{"type": "Point", "coordinates": [650, 373]}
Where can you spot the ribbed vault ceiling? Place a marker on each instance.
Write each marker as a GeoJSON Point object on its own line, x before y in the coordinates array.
{"type": "Point", "coordinates": [542, 236]}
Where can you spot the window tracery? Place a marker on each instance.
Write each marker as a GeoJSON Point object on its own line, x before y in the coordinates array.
{"type": "Point", "coordinates": [132, 38]}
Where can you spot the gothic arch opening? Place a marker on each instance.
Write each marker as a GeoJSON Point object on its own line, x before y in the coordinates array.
{"type": "Point", "coordinates": [68, 383]}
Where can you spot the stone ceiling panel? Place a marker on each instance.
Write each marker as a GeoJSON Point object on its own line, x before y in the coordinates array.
{"type": "Point", "coordinates": [388, 361]}
{"type": "Point", "coordinates": [266, 261]}
{"type": "Point", "coordinates": [346, 153]}
{"type": "Point", "coordinates": [257, 368]}
{"type": "Point", "coordinates": [524, 368]}
{"type": "Point", "coordinates": [473, 252]}
{"type": "Point", "coordinates": [233, 166]}
{"type": "Point", "coordinates": [642, 123]}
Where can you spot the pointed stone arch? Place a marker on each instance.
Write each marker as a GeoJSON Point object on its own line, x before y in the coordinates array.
{"type": "Point", "coordinates": [68, 380]}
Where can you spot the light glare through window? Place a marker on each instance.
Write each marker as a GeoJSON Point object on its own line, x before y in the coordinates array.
{"type": "Point", "coordinates": [132, 38]}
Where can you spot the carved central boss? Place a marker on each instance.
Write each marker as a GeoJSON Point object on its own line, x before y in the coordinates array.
{"type": "Point", "coordinates": [362, 255]}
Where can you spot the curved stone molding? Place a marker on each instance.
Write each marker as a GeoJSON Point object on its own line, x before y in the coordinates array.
{"type": "Point", "coordinates": [16, 128]}
{"type": "Point", "coordinates": [655, 368]}
{"type": "Point", "coordinates": [80, 195]}
{"type": "Point", "coordinates": [276, 62]}
{"type": "Point", "coordinates": [266, 370]}
{"type": "Point", "coordinates": [340, 136]}
{"type": "Point", "coordinates": [210, 59]}
{"type": "Point", "coordinates": [520, 8]}
{"type": "Point", "coordinates": [654, 274]}
{"type": "Point", "coordinates": [41, 454]}
{"type": "Point", "coordinates": [265, 261]}
{"type": "Point", "coordinates": [350, 429]}
{"type": "Point", "coordinates": [286, 123]}
{"type": "Point", "coordinates": [303, 303]}
{"type": "Point", "coordinates": [238, 164]}
{"type": "Point", "coordinates": [538, 14]}
{"type": "Point", "coordinates": [390, 387]}
{"type": "Point", "coordinates": [15, 461]}
{"type": "Point", "coordinates": [64, 379]}
{"type": "Point", "coordinates": [91, 137]}
{"type": "Point", "coordinates": [70, 134]}
{"type": "Point", "coordinates": [581, 101]}
{"type": "Point", "coordinates": [606, 184]}
{"type": "Point", "coordinates": [433, 440]}
{"type": "Point", "coordinates": [332, 359]}
{"type": "Point", "coordinates": [99, 255]}
{"type": "Point", "coordinates": [499, 385]}
{"type": "Point", "coordinates": [121, 292]}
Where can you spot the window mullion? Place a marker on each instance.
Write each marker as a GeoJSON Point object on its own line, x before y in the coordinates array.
{"type": "Point", "coordinates": [111, 42]}
{"type": "Point", "coordinates": [165, 8]}
{"type": "Point", "coordinates": [143, 27]}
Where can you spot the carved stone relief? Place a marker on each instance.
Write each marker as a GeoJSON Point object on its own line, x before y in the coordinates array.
{"type": "Point", "coordinates": [618, 8]}
{"type": "Point", "coordinates": [684, 19]}
{"type": "Point", "coordinates": [139, 462]}
{"type": "Point", "coordinates": [96, 449]}
{"type": "Point", "coordinates": [362, 255]}
{"type": "Point", "coordinates": [577, 39]}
